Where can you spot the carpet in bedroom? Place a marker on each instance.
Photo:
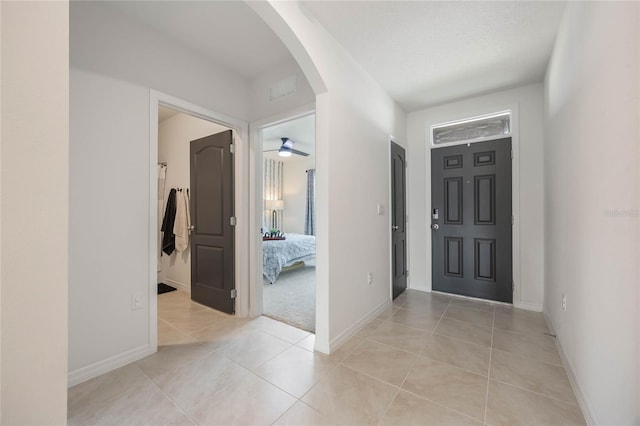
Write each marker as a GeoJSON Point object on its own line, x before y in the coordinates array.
{"type": "Point", "coordinates": [292, 298]}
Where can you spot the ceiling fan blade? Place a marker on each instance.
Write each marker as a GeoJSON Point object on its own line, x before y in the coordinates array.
{"type": "Point", "coordinates": [295, 151]}
{"type": "Point", "coordinates": [271, 150]}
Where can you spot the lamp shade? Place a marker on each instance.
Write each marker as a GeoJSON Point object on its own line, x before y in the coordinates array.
{"type": "Point", "coordinates": [274, 204]}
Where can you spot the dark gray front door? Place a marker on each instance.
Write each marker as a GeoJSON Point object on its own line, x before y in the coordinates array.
{"type": "Point", "coordinates": [212, 240]}
{"type": "Point", "coordinates": [398, 220]}
{"type": "Point", "coordinates": [471, 220]}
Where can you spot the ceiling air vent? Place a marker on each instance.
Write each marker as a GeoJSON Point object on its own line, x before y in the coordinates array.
{"type": "Point", "coordinates": [283, 88]}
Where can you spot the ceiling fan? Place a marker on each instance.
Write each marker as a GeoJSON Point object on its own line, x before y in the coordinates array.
{"type": "Point", "coordinates": [286, 149]}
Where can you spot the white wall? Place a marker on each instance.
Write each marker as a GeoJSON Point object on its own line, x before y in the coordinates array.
{"type": "Point", "coordinates": [591, 205]}
{"type": "Point", "coordinates": [357, 116]}
{"type": "Point", "coordinates": [529, 134]}
{"type": "Point", "coordinates": [106, 42]}
{"type": "Point", "coordinates": [261, 108]}
{"type": "Point", "coordinates": [174, 137]}
{"type": "Point", "coordinates": [114, 64]}
{"type": "Point", "coordinates": [34, 213]}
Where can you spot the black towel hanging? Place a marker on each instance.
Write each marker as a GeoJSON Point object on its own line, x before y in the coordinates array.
{"type": "Point", "coordinates": [168, 238]}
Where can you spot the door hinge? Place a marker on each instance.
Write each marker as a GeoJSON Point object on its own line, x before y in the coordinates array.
{"type": "Point", "coordinates": [233, 221]}
{"type": "Point", "coordinates": [513, 220]}
{"type": "Point", "coordinates": [406, 219]}
{"type": "Point", "coordinates": [406, 164]}
{"type": "Point", "coordinates": [234, 293]}
{"type": "Point", "coordinates": [512, 154]}
{"type": "Point", "coordinates": [232, 148]}
{"type": "Point", "coordinates": [513, 286]}
{"type": "Point", "coordinates": [406, 274]}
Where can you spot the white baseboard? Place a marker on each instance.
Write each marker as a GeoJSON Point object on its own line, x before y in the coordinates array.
{"type": "Point", "coordinates": [179, 285]}
{"type": "Point", "coordinates": [341, 338]}
{"type": "Point", "coordinates": [96, 369]}
{"type": "Point", "coordinates": [584, 405]}
{"type": "Point", "coordinates": [528, 306]}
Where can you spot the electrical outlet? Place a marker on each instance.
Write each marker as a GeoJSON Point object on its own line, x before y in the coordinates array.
{"type": "Point", "coordinates": [564, 302]}
{"type": "Point", "coordinates": [136, 301]}
{"type": "Point", "coordinates": [370, 278]}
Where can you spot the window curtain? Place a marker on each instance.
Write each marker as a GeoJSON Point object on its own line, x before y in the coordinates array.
{"type": "Point", "coordinates": [310, 213]}
{"type": "Point", "coordinates": [272, 190]}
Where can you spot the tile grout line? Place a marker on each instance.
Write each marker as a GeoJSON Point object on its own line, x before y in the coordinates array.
{"type": "Point", "coordinates": [413, 364]}
{"type": "Point", "coordinates": [439, 404]}
{"type": "Point", "coordinates": [393, 347]}
{"type": "Point", "coordinates": [371, 377]}
{"type": "Point", "coordinates": [256, 375]}
{"type": "Point", "coordinates": [173, 401]}
{"type": "Point", "coordinates": [486, 398]}
{"type": "Point", "coordinates": [440, 319]}
{"type": "Point", "coordinates": [536, 393]}
{"type": "Point", "coordinates": [259, 365]}
{"type": "Point", "coordinates": [182, 332]}
{"type": "Point", "coordinates": [419, 354]}
{"type": "Point", "coordinates": [412, 328]}
{"type": "Point", "coordinates": [386, 410]}
{"type": "Point", "coordinates": [457, 367]}
{"type": "Point", "coordinates": [351, 351]}
{"type": "Point", "coordinates": [401, 384]}
{"type": "Point", "coordinates": [469, 322]}
{"type": "Point", "coordinates": [296, 403]}
{"type": "Point", "coordinates": [529, 358]}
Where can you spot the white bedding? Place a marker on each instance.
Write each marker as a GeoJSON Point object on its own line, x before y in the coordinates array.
{"type": "Point", "coordinates": [278, 253]}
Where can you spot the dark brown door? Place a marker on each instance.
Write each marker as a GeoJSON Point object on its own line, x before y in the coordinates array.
{"type": "Point", "coordinates": [398, 220]}
{"type": "Point", "coordinates": [212, 240]}
{"type": "Point", "coordinates": [471, 220]}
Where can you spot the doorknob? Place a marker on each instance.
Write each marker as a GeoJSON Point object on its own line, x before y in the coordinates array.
{"type": "Point", "coordinates": [191, 228]}
{"type": "Point", "coordinates": [394, 228]}
{"type": "Point", "coordinates": [435, 226]}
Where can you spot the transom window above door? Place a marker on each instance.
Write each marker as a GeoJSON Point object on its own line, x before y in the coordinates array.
{"type": "Point", "coordinates": [474, 129]}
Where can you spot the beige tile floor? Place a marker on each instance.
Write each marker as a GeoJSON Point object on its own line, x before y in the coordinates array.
{"type": "Point", "coordinates": [430, 359]}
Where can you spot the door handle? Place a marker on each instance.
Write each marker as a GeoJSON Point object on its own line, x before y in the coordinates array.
{"type": "Point", "coordinates": [191, 229]}
{"type": "Point", "coordinates": [394, 228]}
{"type": "Point", "coordinates": [435, 226]}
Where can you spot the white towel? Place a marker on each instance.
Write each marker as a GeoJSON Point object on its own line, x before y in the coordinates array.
{"type": "Point", "coordinates": [183, 221]}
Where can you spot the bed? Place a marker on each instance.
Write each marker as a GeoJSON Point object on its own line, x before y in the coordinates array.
{"type": "Point", "coordinates": [276, 254]}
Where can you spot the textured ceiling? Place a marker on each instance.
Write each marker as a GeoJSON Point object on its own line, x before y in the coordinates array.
{"type": "Point", "coordinates": [430, 52]}
{"type": "Point", "coordinates": [423, 53]}
{"type": "Point", "coordinates": [228, 32]}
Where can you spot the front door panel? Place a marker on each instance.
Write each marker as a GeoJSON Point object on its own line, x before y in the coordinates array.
{"type": "Point", "coordinates": [471, 220]}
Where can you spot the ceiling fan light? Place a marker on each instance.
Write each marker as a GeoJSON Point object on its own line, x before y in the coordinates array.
{"type": "Point", "coordinates": [284, 152]}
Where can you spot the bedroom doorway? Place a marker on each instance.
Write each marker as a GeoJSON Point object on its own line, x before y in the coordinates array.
{"type": "Point", "coordinates": [288, 222]}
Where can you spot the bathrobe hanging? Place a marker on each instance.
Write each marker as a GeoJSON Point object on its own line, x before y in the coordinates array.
{"type": "Point", "coordinates": [182, 222]}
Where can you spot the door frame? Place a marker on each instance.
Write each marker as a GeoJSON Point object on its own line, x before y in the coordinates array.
{"type": "Point", "coordinates": [515, 193]}
{"type": "Point", "coordinates": [241, 200]}
{"type": "Point", "coordinates": [256, 203]}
